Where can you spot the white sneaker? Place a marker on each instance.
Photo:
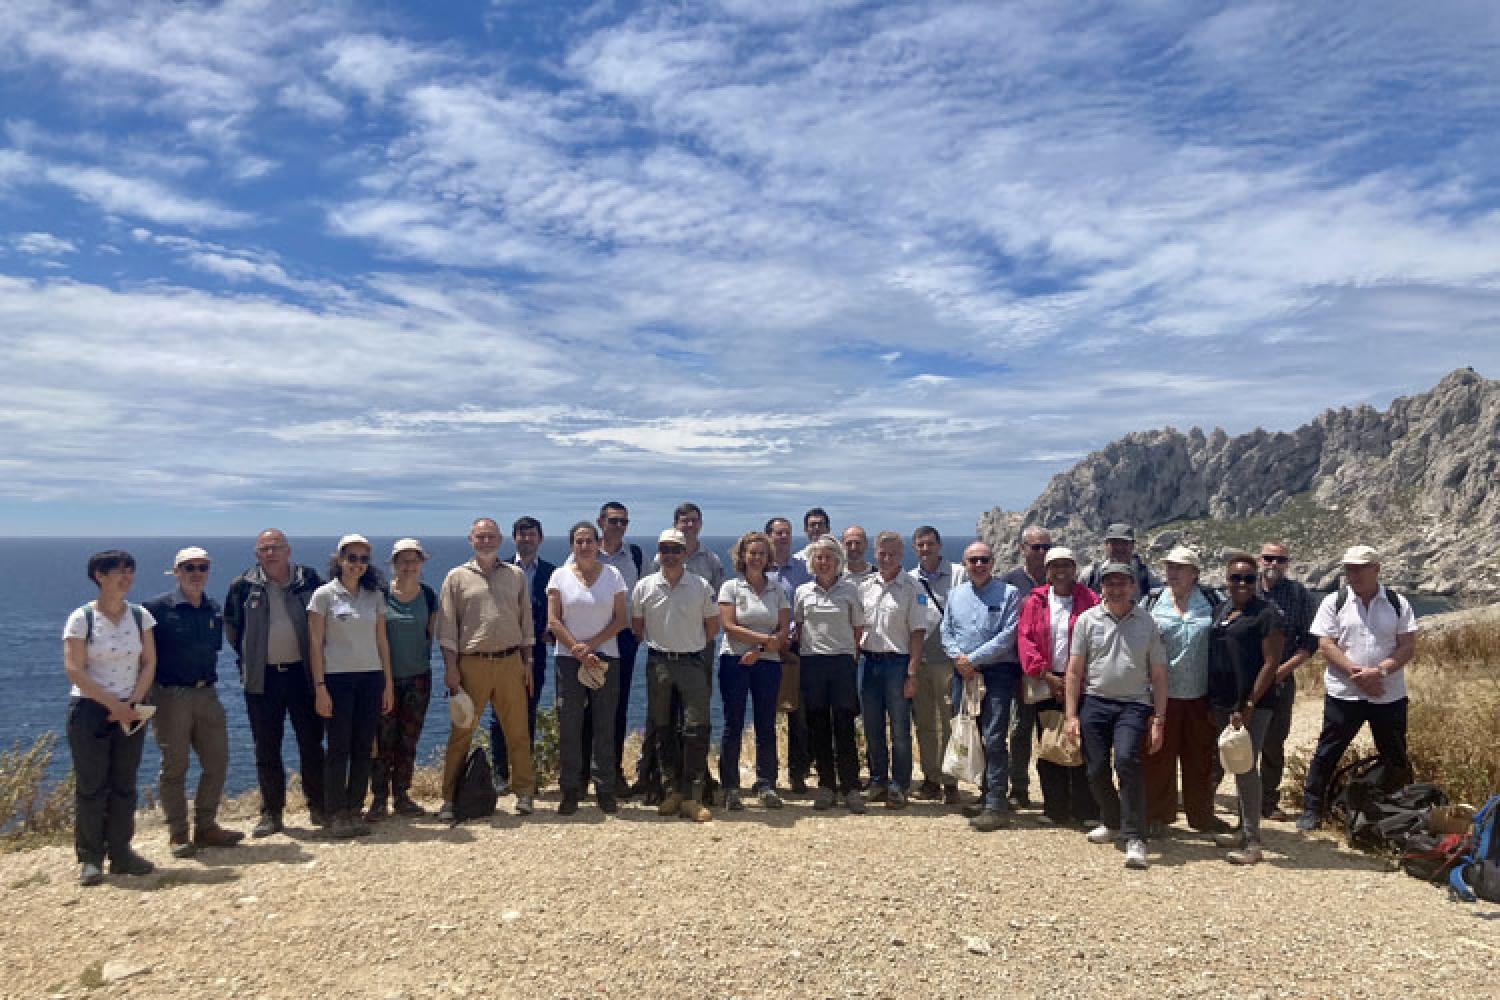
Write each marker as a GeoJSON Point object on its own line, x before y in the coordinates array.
{"type": "Point", "coordinates": [1135, 854]}
{"type": "Point", "coordinates": [1102, 834]}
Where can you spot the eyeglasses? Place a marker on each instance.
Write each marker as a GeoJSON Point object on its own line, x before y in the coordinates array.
{"type": "Point", "coordinates": [979, 560]}
{"type": "Point", "coordinates": [618, 522]}
{"type": "Point", "coordinates": [1039, 546]}
{"type": "Point", "coordinates": [1241, 577]}
{"type": "Point", "coordinates": [350, 557]}
{"type": "Point", "coordinates": [193, 567]}
{"type": "Point", "coordinates": [272, 547]}
{"type": "Point", "coordinates": [1267, 558]}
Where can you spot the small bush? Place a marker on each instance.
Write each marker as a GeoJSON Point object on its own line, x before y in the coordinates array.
{"type": "Point", "coordinates": [30, 809]}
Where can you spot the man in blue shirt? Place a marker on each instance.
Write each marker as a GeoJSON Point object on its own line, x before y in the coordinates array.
{"type": "Point", "coordinates": [979, 634]}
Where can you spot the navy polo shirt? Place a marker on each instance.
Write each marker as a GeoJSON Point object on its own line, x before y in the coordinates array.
{"type": "Point", "coordinates": [188, 639]}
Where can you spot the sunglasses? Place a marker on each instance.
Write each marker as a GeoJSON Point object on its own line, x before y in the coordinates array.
{"type": "Point", "coordinates": [979, 560]}
{"type": "Point", "coordinates": [1241, 577]}
{"type": "Point", "coordinates": [1039, 546]}
{"type": "Point", "coordinates": [193, 567]}
{"type": "Point", "coordinates": [618, 522]}
{"type": "Point", "coordinates": [350, 557]}
{"type": "Point", "coordinates": [1273, 559]}
{"type": "Point", "coordinates": [672, 550]}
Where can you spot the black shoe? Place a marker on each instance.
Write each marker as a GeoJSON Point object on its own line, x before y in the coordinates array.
{"type": "Point", "coordinates": [1020, 801]}
{"type": "Point", "coordinates": [1215, 825]}
{"type": "Point", "coordinates": [569, 804]}
{"type": "Point", "coordinates": [607, 803]}
{"type": "Point", "coordinates": [90, 874]}
{"type": "Point", "coordinates": [928, 791]}
{"type": "Point", "coordinates": [973, 811]}
{"type": "Point", "coordinates": [268, 824]}
{"type": "Point", "coordinates": [404, 806]}
{"type": "Point", "coordinates": [622, 787]}
{"type": "Point", "coordinates": [799, 784]}
{"type": "Point", "coordinates": [989, 821]}
{"type": "Point", "coordinates": [950, 795]}
{"type": "Point", "coordinates": [131, 864]}
{"type": "Point", "coordinates": [652, 796]}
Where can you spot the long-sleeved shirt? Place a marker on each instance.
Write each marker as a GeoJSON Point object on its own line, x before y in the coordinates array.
{"type": "Point", "coordinates": [1297, 611]}
{"type": "Point", "coordinates": [485, 613]}
{"type": "Point", "coordinates": [981, 623]}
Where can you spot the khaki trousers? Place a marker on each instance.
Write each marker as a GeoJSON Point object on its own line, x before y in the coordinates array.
{"type": "Point", "coordinates": [502, 684]}
{"type": "Point", "coordinates": [933, 715]}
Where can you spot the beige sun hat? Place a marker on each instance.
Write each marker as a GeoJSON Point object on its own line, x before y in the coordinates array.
{"type": "Point", "coordinates": [1060, 553]}
{"type": "Point", "coordinates": [1360, 555]}
{"type": "Point", "coordinates": [1184, 556]}
{"type": "Point", "coordinates": [408, 545]}
{"type": "Point", "coordinates": [461, 709]}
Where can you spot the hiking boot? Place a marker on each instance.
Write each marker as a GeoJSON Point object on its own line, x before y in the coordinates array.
{"type": "Point", "coordinates": [694, 810]}
{"type": "Point", "coordinates": [446, 812]}
{"type": "Point", "coordinates": [90, 874]}
{"type": "Point", "coordinates": [377, 811]}
{"type": "Point", "coordinates": [181, 846]}
{"type": "Point", "coordinates": [876, 793]}
{"type": "Point", "coordinates": [268, 824]}
{"type": "Point", "coordinates": [1307, 822]}
{"type": "Point", "coordinates": [1228, 840]}
{"type": "Point", "coordinates": [569, 804]}
{"type": "Point", "coordinates": [950, 795]}
{"type": "Point", "coordinates": [989, 821]}
{"type": "Point", "coordinates": [215, 835]}
{"type": "Point", "coordinates": [1102, 834]}
{"type": "Point", "coordinates": [972, 810]}
{"type": "Point", "coordinates": [769, 799]}
{"type": "Point", "coordinates": [525, 805]}
{"type": "Point", "coordinates": [928, 791]}
{"type": "Point", "coordinates": [1249, 855]}
{"type": "Point", "coordinates": [855, 801]}
{"type": "Point", "coordinates": [823, 799]}
{"type": "Point", "coordinates": [670, 805]}
{"type": "Point", "coordinates": [895, 799]}
{"type": "Point", "coordinates": [404, 806]}
{"type": "Point", "coordinates": [131, 864]}
{"type": "Point", "coordinates": [732, 800]}
{"type": "Point", "coordinates": [1135, 854]}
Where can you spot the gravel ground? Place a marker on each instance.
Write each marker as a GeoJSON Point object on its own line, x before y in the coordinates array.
{"type": "Point", "coordinates": [754, 904]}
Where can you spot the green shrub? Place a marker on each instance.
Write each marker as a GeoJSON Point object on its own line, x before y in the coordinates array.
{"type": "Point", "coordinates": [31, 811]}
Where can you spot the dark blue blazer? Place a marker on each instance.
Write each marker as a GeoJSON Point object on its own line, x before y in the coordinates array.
{"type": "Point", "coordinates": [544, 571]}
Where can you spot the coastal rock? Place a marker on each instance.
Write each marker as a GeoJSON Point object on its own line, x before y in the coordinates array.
{"type": "Point", "coordinates": [1417, 481]}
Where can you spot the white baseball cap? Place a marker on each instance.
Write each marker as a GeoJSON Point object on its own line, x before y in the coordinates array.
{"type": "Point", "coordinates": [408, 545]}
{"type": "Point", "coordinates": [184, 555]}
{"type": "Point", "coordinates": [352, 540]}
{"type": "Point", "coordinates": [1060, 553]}
{"type": "Point", "coordinates": [1360, 555]}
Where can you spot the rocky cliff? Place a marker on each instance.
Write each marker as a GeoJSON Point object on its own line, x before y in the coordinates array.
{"type": "Point", "coordinates": [1420, 482]}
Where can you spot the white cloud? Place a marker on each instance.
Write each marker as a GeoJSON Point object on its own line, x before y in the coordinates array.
{"type": "Point", "coordinates": [143, 198]}
{"type": "Point", "coordinates": [43, 245]}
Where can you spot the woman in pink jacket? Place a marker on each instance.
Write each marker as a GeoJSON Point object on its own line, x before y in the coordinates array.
{"type": "Point", "coordinates": [1043, 639]}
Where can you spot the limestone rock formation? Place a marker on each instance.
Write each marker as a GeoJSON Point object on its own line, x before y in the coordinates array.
{"type": "Point", "coordinates": [1420, 482]}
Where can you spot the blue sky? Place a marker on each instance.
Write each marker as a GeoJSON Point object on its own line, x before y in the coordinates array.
{"type": "Point", "coordinates": [369, 267]}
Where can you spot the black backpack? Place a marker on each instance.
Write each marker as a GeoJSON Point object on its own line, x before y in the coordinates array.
{"type": "Point", "coordinates": [1388, 822]}
{"type": "Point", "coordinates": [1360, 792]}
{"type": "Point", "coordinates": [475, 797]}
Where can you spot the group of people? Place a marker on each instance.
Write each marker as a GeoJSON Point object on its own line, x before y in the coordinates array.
{"type": "Point", "coordinates": [1138, 676]}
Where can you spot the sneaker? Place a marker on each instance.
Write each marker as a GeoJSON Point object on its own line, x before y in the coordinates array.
{"type": "Point", "coordinates": [950, 795]}
{"type": "Point", "coordinates": [404, 806]}
{"type": "Point", "coordinates": [1228, 840]}
{"type": "Point", "coordinates": [928, 791]}
{"type": "Point", "coordinates": [268, 824]}
{"type": "Point", "coordinates": [569, 804]}
{"type": "Point", "coordinates": [181, 846]}
{"type": "Point", "coordinates": [895, 799]}
{"type": "Point", "coordinates": [524, 805]}
{"type": "Point", "coordinates": [694, 810]}
{"type": "Point", "coordinates": [1102, 834]}
{"type": "Point", "coordinates": [1307, 822]}
{"type": "Point", "coordinates": [876, 793]}
{"type": "Point", "coordinates": [215, 835]}
{"type": "Point", "coordinates": [855, 801]}
{"type": "Point", "coordinates": [823, 799]}
{"type": "Point", "coordinates": [769, 799]}
{"type": "Point", "coordinates": [989, 821]}
{"type": "Point", "coordinates": [377, 811]}
{"type": "Point", "coordinates": [671, 805]}
{"type": "Point", "coordinates": [131, 864]}
{"type": "Point", "coordinates": [446, 812]}
{"type": "Point", "coordinates": [1135, 854]}
{"type": "Point", "coordinates": [1248, 855]}
{"type": "Point", "coordinates": [90, 874]}
{"type": "Point", "coordinates": [732, 800]}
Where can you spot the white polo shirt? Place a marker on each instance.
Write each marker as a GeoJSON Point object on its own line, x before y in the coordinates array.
{"type": "Point", "coordinates": [893, 610]}
{"type": "Point", "coordinates": [828, 618]}
{"type": "Point", "coordinates": [1367, 635]}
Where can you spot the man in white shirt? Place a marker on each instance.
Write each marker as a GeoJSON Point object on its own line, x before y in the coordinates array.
{"type": "Point", "coordinates": [1367, 635]}
{"type": "Point", "coordinates": [896, 622]}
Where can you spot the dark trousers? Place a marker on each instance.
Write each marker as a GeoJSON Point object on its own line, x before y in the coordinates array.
{"type": "Point", "coordinates": [760, 683]}
{"type": "Point", "coordinates": [498, 756]}
{"type": "Point", "coordinates": [1022, 729]}
{"type": "Point", "coordinates": [684, 764]}
{"type": "Point", "coordinates": [105, 762]}
{"type": "Point", "coordinates": [625, 674]}
{"type": "Point", "coordinates": [1273, 754]}
{"type": "Point", "coordinates": [351, 737]}
{"type": "Point", "coordinates": [1341, 723]}
{"type": "Point", "coordinates": [288, 692]}
{"type": "Point", "coordinates": [1116, 728]}
{"type": "Point", "coordinates": [586, 718]}
{"type": "Point", "coordinates": [1189, 742]}
{"type": "Point", "coordinates": [799, 759]}
{"type": "Point", "coordinates": [1066, 796]}
{"type": "Point", "coordinates": [830, 698]}
{"type": "Point", "coordinates": [397, 736]}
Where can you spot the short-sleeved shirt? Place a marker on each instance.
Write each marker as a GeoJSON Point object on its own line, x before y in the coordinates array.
{"type": "Point", "coordinates": [188, 638]}
{"type": "Point", "coordinates": [1060, 624]}
{"type": "Point", "coordinates": [349, 623]}
{"type": "Point", "coordinates": [114, 650]}
{"type": "Point", "coordinates": [894, 609]}
{"type": "Point", "coordinates": [703, 562]}
{"type": "Point", "coordinates": [858, 577]}
{"type": "Point", "coordinates": [1237, 656]}
{"type": "Point", "coordinates": [1118, 653]}
{"type": "Point", "coordinates": [1367, 635]}
{"type": "Point", "coordinates": [828, 618]}
{"type": "Point", "coordinates": [1186, 637]}
{"type": "Point", "coordinates": [587, 610]}
{"type": "Point", "coordinates": [406, 633]}
{"type": "Point", "coordinates": [757, 610]}
{"type": "Point", "coordinates": [938, 584]}
{"type": "Point", "coordinates": [673, 616]}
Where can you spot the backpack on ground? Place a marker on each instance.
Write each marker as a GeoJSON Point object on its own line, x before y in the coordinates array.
{"type": "Point", "coordinates": [1431, 856]}
{"type": "Point", "coordinates": [1477, 873]}
{"type": "Point", "coordinates": [1375, 806]}
{"type": "Point", "coordinates": [474, 798]}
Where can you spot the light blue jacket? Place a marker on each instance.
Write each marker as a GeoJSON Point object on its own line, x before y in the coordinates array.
{"type": "Point", "coordinates": [982, 625]}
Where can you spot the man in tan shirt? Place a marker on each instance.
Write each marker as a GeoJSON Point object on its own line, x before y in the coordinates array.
{"type": "Point", "coordinates": [485, 633]}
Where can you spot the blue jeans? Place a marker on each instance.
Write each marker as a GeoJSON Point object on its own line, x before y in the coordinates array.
{"type": "Point", "coordinates": [761, 682]}
{"type": "Point", "coordinates": [1000, 682]}
{"type": "Point", "coordinates": [1117, 727]}
{"type": "Point", "coordinates": [883, 698]}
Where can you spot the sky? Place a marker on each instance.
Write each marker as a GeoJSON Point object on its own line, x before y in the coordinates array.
{"type": "Point", "coordinates": [382, 267]}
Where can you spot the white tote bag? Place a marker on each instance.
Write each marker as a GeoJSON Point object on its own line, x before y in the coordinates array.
{"type": "Point", "coordinates": [1236, 752]}
{"type": "Point", "coordinates": [963, 760]}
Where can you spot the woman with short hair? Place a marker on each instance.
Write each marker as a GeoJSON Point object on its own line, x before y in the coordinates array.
{"type": "Point", "coordinates": [831, 621]}
{"type": "Point", "coordinates": [756, 617]}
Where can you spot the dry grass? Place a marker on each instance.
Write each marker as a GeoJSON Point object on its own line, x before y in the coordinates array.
{"type": "Point", "coordinates": [31, 812]}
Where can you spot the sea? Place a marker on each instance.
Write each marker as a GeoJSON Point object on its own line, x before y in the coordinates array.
{"type": "Point", "coordinates": [44, 579]}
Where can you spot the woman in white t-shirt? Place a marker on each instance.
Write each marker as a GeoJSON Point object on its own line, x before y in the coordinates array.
{"type": "Point", "coordinates": [585, 611]}
{"type": "Point", "coordinates": [350, 661]}
{"type": "Point", "coordinates": [110, 656]}
{"type": "Point", "coordinates": [1043, 640]}
{"type": "Point", "coordinates": [757, 616]}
